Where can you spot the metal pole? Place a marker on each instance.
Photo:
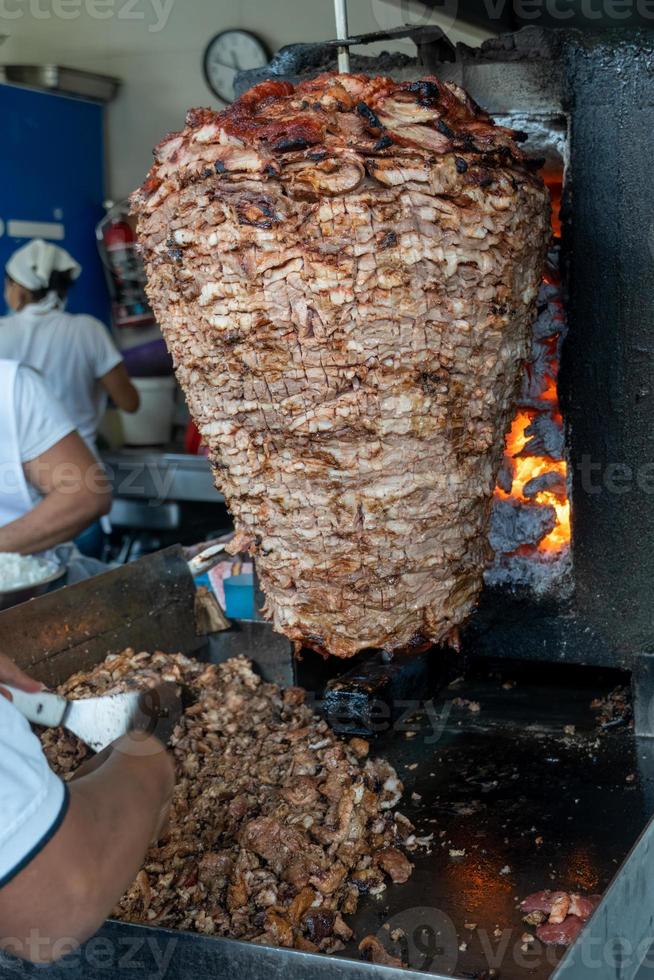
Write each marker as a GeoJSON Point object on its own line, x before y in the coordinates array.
{"type": "Point", "coordinates": [340, 9]}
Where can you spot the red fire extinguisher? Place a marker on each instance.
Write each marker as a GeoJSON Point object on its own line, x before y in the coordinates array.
{"type": "Point", "coordinates": [124, 269]}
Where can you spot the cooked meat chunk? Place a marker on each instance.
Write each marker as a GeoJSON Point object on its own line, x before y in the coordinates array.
{"type": "Point", "coordinates": [395, 864]}
{"type": "Point", "coordinates": [360, 747]}
{"type": "Point", "coordinates": [345, 273]}
{"type": "Point", "coordinates": [215, 866]}
{"type": "Point", "coordinates": [561, 933]}
{"type": "Point", "coordinates": [539, 902]}
{"type": "Point", "coordinates": [560, 907]}
{"type": "Point", "coordinates": [300, 905]}
{"type": "Point", "coordinates": [258, 848]}
{"type": "Point", "coordinates": [279, 929]}
{"type": "Point", "coordinates": [301, 792]}
{"type": "Point", "coordinates": [273, 840]}
{"type": "Point", "coordinates": [565, 914]}
{"type": "Point", "coordinates": [372, 950]}
{"type": "Point", "coordinates": [535, 918]}
{"type": "Point", "coordinates": [584, 906]}
{"type": "Point", "coordinates": [319, 924]}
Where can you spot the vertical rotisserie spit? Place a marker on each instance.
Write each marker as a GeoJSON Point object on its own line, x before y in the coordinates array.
{"type": "Point", "coordinates": [345, 273]}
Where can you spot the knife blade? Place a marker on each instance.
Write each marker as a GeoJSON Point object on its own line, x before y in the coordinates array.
{"type": "Point", "coordinates": [100, 721]}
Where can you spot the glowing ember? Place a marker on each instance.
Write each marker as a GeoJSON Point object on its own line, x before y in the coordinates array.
{"type": "Point", "coordinates": [540, 401]}
{"type": "Point", "coordinates": [526, 468]}
{"type": "Point", "coordinates": [530, 518]}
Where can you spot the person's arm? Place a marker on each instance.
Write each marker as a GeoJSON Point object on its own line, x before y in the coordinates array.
{"type": "Point", "coordinates": [75, 493]}
{"type": "Point", "coordinates": [120, 389]}
{"type": "Point", "coordinates": [67, 891]}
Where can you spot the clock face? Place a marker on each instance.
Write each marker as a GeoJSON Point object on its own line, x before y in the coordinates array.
{"type": "Point", "coordinates": [228, 53]}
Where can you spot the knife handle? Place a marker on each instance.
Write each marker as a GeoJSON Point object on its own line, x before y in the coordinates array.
{"type": "Point", "coordinates": [41, 708]}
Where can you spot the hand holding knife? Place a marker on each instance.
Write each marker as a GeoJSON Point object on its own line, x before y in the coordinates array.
{"type": "Point", "coordinates": [96, 721]}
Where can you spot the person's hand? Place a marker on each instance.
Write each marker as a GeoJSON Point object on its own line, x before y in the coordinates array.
{"type": "Point", "coordinates": [11, 674]}
{"type": "Point", "coordinates": [143, 747]}
{"type": "Point", "coordinates": [162, 828]}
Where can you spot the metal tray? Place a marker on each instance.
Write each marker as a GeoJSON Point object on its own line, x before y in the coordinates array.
{"type": "Point", "coordinates": [13, 597]}
{"type": "Point", "coordinates": [488, 784]}
{"type": "Point", "coordinates": [68, 81]}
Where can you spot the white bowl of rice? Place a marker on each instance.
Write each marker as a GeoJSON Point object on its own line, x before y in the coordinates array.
{"type": "Point", "coordinates": [24, 577]}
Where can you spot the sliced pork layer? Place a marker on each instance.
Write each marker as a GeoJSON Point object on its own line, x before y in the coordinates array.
{"type": "Point", "coordinates": [345, 274]}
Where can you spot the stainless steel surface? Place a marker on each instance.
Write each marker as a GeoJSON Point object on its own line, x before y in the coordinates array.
{"type": "Point", "coordinates": [483, 788]}
{"type": "Point", "coordinates": [487, 784]}
{"type": "Point", "coordinates": [13, 597]}
{"type": "Point", "coordinates": [151, 474]}
{"type": "Point", "coordinates": [134, 952]}
{"type": "Point", "coordinates": [474, 781]}
{"type": "Point", "coordinates": [148, 604]}
{"type": "Point", "coordinates": [141, 515]}
{"type": "Point", "coordinates": [340, 11]}
{"type": "Point", "coordinates": [642, 685]}
{"type": "Point", "coordinates": [56, 78]}
{"type": "Point", "coordinates": [271, 652]}
{"type": "Point", "coordinates": [620, 935]}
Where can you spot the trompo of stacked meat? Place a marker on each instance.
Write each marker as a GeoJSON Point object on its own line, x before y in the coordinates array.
{"type": "Point", "coordinates": [345, 274]}
{"type": "Point", "coordinates": [277, 827]}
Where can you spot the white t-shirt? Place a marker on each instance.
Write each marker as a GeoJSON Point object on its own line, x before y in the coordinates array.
{"type": "Point", "coordinates": [33, 801]}
{"type": "Point", "coordinates": [71, 352]}
{"type": "Point", "coordinates": [41, 421]}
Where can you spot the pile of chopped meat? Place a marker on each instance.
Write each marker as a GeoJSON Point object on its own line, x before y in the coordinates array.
{"type": "Point", "coordinates": [559, 916]}
{"type": "Point", "coordinates": [277, 826]}
{"type": "Point", "coordinates": [345, 273]}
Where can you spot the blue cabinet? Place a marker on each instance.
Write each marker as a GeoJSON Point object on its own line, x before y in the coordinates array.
{"type": "Point", "coordinates": [52, 183]}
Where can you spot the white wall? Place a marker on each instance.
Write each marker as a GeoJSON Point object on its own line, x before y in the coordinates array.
{"type": "Point", "coordinates": [155, 47]}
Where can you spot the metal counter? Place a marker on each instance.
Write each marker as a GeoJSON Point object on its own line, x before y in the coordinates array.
{"type": "Point", "coordinates": [515, 806]}
{"type": "Point", "coordinates": [152, 474]}
{"type": "Point", "coordinates": [525, 794]}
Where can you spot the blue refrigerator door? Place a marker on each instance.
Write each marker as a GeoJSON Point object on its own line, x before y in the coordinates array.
{"type": "Point", "coordinates": [52, 183]}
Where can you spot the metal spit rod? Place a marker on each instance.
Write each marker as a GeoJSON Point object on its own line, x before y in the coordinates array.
{"type": "Point", "coordinates": [340, 10]}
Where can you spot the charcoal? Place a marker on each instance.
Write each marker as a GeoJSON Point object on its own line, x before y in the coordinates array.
{"type": "Point", "coordinates": [549, 322]}
{"type": "Point", "coordinates": [514, 524]}
{"type": "Point", "coordinates": [544, 438]}
{"type": "Point", "coordinates": [537, 374]}
{"type": "Point", "coordinates": [505, 477]}
{"type": "Point", "coordinates": [551, 482]}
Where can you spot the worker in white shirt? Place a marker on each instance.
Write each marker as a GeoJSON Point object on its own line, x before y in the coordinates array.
{"type": "Point", "coordinates": [51, 485]}
{"type": "Point", "coordinates": [75, 354]}
{"type": "Point", "coordinates": [68, 852]}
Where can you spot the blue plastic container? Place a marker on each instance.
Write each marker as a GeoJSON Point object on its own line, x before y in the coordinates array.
{"type": "Point", "coordinates": [239, 596]}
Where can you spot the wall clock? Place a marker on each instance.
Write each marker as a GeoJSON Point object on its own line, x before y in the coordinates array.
{"type": "Point", "coordinates": [228, 53]}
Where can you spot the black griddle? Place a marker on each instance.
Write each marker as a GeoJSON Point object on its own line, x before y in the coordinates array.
{"type": "Point", "coordinates": [487, 784]}
{"type": "Point", "coordinates": [492, 785]}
